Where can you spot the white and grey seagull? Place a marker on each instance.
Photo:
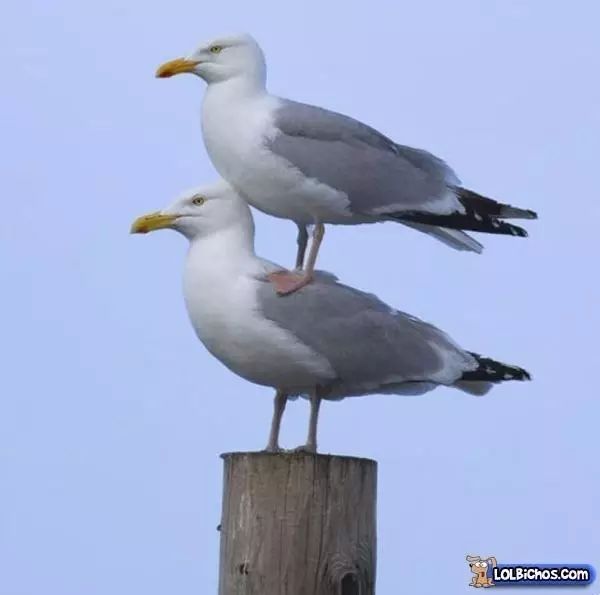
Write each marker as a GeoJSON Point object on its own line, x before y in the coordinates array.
{"type": "Point", "coordinates": [315, 166]}
{"type": "Point", "coordinates": [325, 341]}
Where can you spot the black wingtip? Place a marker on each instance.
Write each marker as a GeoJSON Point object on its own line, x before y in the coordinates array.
{"type": "Point", "coordinates": [488, 207]}
{"type": "Point", "coordinates": [510, 212]}
{"type": "Point", "coordinates": [510, 229]}
{"type": "Point", "coordinates": [490, 370]}
{"type": "Point", "coordinates": [461, 221]}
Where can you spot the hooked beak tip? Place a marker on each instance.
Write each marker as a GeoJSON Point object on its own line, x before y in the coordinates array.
{"type": "Point", "coordinates": [152, 222]}
{"type": "Point", "coordinates": [177, 66]}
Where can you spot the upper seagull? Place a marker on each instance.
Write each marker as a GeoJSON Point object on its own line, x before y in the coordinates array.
{"type": "Point", "coordinates": [315, 166]}
{"type": "Point", "coordinates": [326, 341]}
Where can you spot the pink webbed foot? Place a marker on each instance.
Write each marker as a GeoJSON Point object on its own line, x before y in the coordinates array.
{"type": "Point", "coordinates": [287, 282]}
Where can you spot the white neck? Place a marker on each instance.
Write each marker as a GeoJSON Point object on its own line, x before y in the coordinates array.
{"type": "Point", "coordinates": [234, 113]}
{"type": "Point", "coordinates": [244, 86]}
{"type": "Point", "coordinates": [225, 253]}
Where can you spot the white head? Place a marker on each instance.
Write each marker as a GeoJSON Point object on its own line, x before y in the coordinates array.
{"type": "Point", "coordinates": [201, 212]}
{"type": "Point", "coordinates": [221, 59]}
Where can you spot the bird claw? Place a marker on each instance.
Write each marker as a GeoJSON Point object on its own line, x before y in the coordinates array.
{"type": "Point", "coordinates": [287, 282]}
{"type": "Point", "coordinates": [274, 449]}
{"type": "Point", "coordinates": [306, 448]}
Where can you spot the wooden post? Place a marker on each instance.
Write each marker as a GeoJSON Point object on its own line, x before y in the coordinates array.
{"type": "Point", "coordinates": [298, 524]}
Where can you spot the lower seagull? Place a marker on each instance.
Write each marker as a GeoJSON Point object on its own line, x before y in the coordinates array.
{"type": "Point", "coordinates": [325, 341]}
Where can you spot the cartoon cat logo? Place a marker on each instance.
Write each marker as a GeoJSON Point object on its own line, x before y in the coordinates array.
{"type": "Point", "coordinates": [482, 569]}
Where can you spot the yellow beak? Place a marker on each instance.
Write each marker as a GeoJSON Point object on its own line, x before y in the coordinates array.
{"type": "Point", "coordinates": [152, 222]}
{"type": "Point", "coordinates": [174, 67]}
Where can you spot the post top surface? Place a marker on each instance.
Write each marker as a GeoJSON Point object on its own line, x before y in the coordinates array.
{"type": "Point", "coordinates": [298, 455]}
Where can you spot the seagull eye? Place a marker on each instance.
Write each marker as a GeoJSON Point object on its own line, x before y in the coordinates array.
{"type": "Point", "coordinates": [215, 49]}
{"type": "Point", "coordinates": [198, 200]}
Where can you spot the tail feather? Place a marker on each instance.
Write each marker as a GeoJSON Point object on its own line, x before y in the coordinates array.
{"type": "Point", "coordinates": [477, 388]}
{"type": "Point", "coordinates": [454, 238]}
{"type": "Point", "coordinates": [490, 370]}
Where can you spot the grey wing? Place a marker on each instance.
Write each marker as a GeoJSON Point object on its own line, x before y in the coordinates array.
{"type": "Point", "coordinates": [368, 344]}
{"type": "Point", "coordinates": [378, 175]}
{"type": "Point", "coordinates": [459, 240]}
{"type": "Point", "coordinates": [428, 162]}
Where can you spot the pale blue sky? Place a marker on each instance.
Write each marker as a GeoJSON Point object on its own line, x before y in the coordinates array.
{"type": "Point", "coordinates": [112, 415]}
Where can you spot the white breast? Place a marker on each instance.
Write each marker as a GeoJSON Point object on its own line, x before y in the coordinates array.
{"type": "Point", "coordinates": [223, 311]}
{"type": "Point", "coordinates": [235, 133]}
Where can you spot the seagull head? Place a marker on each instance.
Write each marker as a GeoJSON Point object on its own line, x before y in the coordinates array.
{"type": "Point", "coordinates": [200, 212]}
{"type": "Point", "coordinates": [220, 59]}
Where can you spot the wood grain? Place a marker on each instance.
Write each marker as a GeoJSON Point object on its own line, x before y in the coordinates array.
{"type": "Point", "coordinates": [298, 524]}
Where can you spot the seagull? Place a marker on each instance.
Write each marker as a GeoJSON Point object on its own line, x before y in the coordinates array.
{"type": "Point", "coordinates": [325, 341]}
{"type": "Point", "coordinates": [314, 166]}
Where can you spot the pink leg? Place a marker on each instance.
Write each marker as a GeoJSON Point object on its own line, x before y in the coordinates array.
{"type": "Point", "coordinates": [287, 282]}
{"type": "Point", "coordinates": [318, 235]}
{"type": "Point", "coordinates": [311, 441]}
{"type": "Point", "coordinates": [278, 409]}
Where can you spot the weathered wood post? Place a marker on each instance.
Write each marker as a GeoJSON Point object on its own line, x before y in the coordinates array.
{"type": "Point", "coordinates": [298, 524]}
